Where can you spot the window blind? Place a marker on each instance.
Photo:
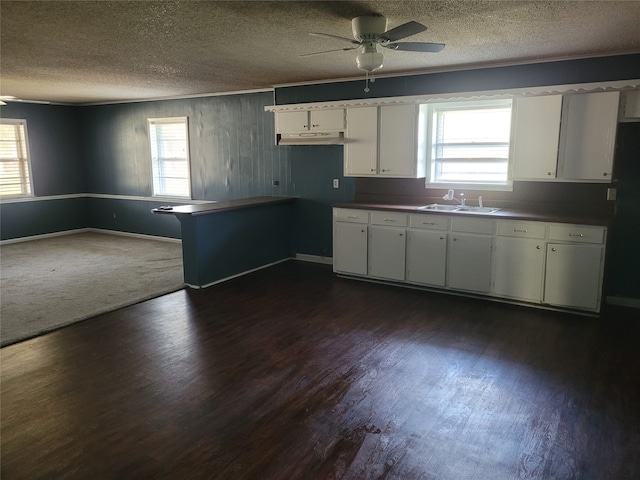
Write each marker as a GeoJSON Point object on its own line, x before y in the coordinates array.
{"type": "Point", "coordinates": [170, 157]}
{"type": "Point", "coordinates": [15, 178]}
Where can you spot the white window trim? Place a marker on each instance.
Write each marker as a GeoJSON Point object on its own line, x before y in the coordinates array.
{"type": "Point", "coordinates": [464, 104]}
{"type": "Point", "coordinates": [151, 121]}
{"type": "Point", "coordinates": [23, 122]}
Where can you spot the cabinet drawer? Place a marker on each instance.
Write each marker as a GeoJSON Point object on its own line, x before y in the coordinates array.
{"type": "Point", "coordinates": [578, 234]}
{"type": "Point", "coordinates": [521, 229]}
{"type": "Point", "coordinates": [350, 215]}
{"type": "Point", "coordinates": [472, 225]}
{"type": "Point", "coordinates": [389, 218]}
{"type": "Point", "coordinates": [431, 222]}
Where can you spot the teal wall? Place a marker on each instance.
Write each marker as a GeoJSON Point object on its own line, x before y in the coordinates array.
{"type": "Point", "coordinates": [103, 150]}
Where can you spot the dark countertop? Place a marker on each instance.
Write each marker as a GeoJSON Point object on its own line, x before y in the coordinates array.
{"type": "Point", "coordinates": [223, 206]}
{"type": "Point", "coordinates": [502, 214]}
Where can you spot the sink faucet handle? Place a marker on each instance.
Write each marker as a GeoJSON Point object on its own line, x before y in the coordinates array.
{"type": "Point", "coordinates": [480, 201]}
{"type": "Point", "coordinates": [462, 199]}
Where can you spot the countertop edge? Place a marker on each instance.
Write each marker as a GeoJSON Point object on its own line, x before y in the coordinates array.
{"type": "Point", "coordinates": [502, 214]}
{"type": "Point", "coordinates": [223, 206]}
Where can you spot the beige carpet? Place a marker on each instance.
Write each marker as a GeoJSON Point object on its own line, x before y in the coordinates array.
{"type": "Point", "coordinates": [52, 282]}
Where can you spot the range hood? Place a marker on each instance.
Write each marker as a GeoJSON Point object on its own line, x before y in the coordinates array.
{"type": "Point", "coordinates": [311, 138]}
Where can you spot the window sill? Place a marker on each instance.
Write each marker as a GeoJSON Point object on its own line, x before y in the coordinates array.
{"type": "Point", "coordinates": [495, 187]}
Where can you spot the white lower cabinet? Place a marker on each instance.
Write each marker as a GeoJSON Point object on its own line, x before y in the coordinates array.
{"type": "Point", "coordinates": [387, 252]}
{"type": "Point", "coordinates": [350, 241]}
{"type": "Point", "coordinates": [518, 264]}
{"type": "Point", "coordinates": [469, 262]}
{"type": "Point", "coordinates": [519, 268]}
{"type": "Point", "coordinates": [426, 257]}
{"type": "Point", "coordinates": [558, 265]}
{"type": "Point", "coordinates": [573, 276]}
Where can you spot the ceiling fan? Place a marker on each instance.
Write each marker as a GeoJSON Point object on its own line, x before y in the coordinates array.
{"type": "Point", "coordinates": [369, 32]}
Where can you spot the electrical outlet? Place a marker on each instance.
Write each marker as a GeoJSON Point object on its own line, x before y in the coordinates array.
{"type": "Point", "coordinates": [611, 193]}
{"type": "Point", "coordinates": [275, 183]}
{"type": "Point", "coordinates": [336, 183]}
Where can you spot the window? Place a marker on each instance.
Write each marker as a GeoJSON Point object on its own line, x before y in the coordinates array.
{"type": "Point", "coordinates": [170, 156]}
{"type": "Point", "coordinates": [470, 142]}
{"type": "Point", "coordinates": [15, 175]}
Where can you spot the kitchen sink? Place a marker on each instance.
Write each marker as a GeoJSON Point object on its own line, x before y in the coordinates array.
{"type": "Point", "coordinates": [466, 209]}
{"type": "Point", "coordinates": [443, 208]}
{"type": "Point", "coordinates": [458, 208]}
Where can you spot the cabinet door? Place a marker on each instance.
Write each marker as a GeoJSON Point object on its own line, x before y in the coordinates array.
{"type": "Point", "coordinates": [387, 252]}
{"type": "Point", "coordinates": [350, 248]}
{"type": "Point", "coordinates": [588, 135]}
{"type": "Point", "coordinates": [328, 120]}
{"type": "Point", "coordinates": [573, 276]}
{"type": "Point", "coordinates": [469, 265]}
{"type": "Point", "coordinates": [519, 268]}
{"type": "Point", "coordinates": [287, 122]}
{"type": "Point", "coordinates": [398, 141]}
{"type": "Point", "coordinates": [536, 134]}
{"type": "Point", "coordinates": [426, 257]}
{"type": "Point", "coordinates": [361, 142]}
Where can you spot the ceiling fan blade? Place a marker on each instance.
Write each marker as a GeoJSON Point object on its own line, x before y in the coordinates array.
{"type": "Point", "coordinates": [403, 31]}
{"type": "Point", "coordinates": [416, 47]}
{"type": "Point", "coordinates": [328, 51]}
{"type": "Point", "coordinates": [336, 37]}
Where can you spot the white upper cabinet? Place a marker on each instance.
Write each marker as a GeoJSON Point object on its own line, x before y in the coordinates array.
{"type": "Point", "coordinates": [361, 142]}
{"type": "Point", "coordinates": [383, 142]}
{"type": "Point", "coordinates": [397, 142]}
{"type": "Point", "coordinates": [588, 135]}
{"type": "Point", "coordinates": [329, 120]}
{"type": "Point", "coordinates": [535, 137]}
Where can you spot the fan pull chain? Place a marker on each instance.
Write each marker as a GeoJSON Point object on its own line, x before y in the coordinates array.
{"type": "Point", "coordinates": [367, 80]}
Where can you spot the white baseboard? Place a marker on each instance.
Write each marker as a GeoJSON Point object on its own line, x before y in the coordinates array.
{"type": "Point", "coordinates": [135, 235]}
{"type": "Point", "coordinates": [237, 275]}
{"type": "Point", "coordinates": [303, 257]}
{"type": "Point", "coordinates": [85, 230]}
{"type": "Point", "coordinates": [624, 301]}
{"type": "Point", "coordinates": [44, 235]}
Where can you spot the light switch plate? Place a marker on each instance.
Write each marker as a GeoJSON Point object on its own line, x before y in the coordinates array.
{"type": "Point", "coordinates": [611, 193]}
{"type": "Point", "coordinates": [336, 183]}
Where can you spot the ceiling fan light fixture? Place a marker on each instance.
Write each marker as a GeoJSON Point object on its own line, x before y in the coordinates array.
{"type": "Point", "coordinates": [369, 60]}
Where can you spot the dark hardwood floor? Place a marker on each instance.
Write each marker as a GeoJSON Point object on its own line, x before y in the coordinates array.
{"type": "Point", "coordinates": [293, 373]}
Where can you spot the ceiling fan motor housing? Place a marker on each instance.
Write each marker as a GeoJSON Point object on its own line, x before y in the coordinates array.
{"type": "Point", "coordinates": [368, 27]}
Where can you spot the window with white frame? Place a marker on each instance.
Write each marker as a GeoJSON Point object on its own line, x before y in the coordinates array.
{"type": "Point", "coordinates": [469, 142]}
{"type": "Point", "coordinates": [170, 156]}
{"type": "Point", "coordinates": [15, 174]}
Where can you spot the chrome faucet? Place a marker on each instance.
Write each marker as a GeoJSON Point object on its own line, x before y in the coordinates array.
{"type": "Point", "coordinates": [450, 196]}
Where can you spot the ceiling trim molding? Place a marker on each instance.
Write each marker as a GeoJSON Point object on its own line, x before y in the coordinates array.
{"type": "Point", "coordinates": [449, 97]}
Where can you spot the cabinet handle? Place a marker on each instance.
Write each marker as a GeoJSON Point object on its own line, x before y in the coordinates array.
{"type": "Point", "coordinates": [389, 220]}
{"type": "Point", "coordinates": [316, 125]}
{"type": "Point", "coordinates": [373, 169]}
{"type": "Point", "coordinates": [549, 173]}
{"type": "Point", "coordinates": [428, 223]}
{"type": "Point", "coordinates": [441, 238]}
{"type": "Point", "coordinates": [352, 216]}
{"type": "Point", "coordinates": [553, 249]}
{"type": "Point", "coordinates": [401, 234]}
{"type": "Point", "coordinates": [362, 230]}
{"type": "Point", "coordinates": [576, 235]}
{"type": "Point", "coordinates": [537, 247]}
{"type": "Point", "coordinates": [305, 126]}
{"type": "Point", "coordinates": [605, 174]}
{"type": "Point", "coordinates": [519, 230]}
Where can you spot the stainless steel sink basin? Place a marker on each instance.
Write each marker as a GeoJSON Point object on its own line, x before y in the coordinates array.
{"type": "Point", "coordinates": [437, 206]}
{"type": "Point", "coordinates": [458, 208]}
{"type": "Point", "coordinates": [466, 209]}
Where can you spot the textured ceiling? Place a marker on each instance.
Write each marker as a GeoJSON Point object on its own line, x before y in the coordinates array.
{"type": "Point", "coordinates": [101, 51]}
